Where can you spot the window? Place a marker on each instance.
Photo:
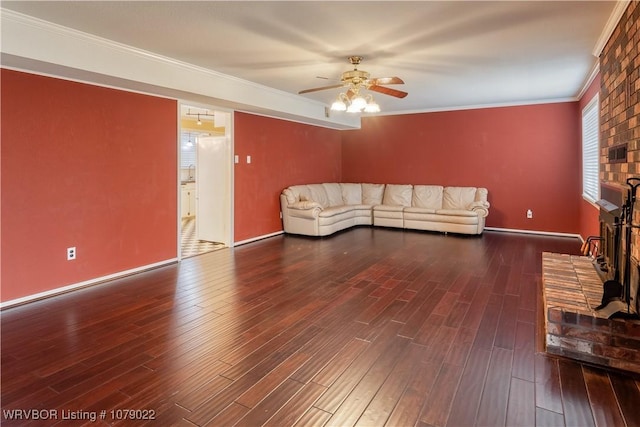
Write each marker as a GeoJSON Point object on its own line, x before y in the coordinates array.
{"type": "Point", "coordinates": [591, 151]}
{"type": "Point", "coordinates": [188, 145]}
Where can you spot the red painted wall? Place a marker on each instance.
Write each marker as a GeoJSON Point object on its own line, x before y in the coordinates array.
{"type": "Point", "coordinates": [527, 157]}
{"type": "Point", "coordinates": [589, 224]}
{"type": "Point", "coordinates": [83, 166]}
{"type": "Point", "coordinates": [282, 153]}
{"type": "Point", "coordinates": [95, 168]}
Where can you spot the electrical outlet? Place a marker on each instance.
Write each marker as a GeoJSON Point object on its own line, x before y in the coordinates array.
{"type": "Point", "coordinates": [529, 213]}
{"type": "Point", "coordinates": [71, 254]}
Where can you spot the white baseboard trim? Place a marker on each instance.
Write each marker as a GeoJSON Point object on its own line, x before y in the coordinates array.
{"type": "Point", "coordinates": [99, 280]}
{"type": "Point", "coordinates": [541, 233]}
{"type": "Point", "coordinates": [84, 284]}
{"type": "Point", "coordinates": [255, 239]}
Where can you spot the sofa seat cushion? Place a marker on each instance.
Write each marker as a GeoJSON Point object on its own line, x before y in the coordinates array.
{"type": "Point", "coordinates": [435, 217]}
{"type": "Point", "coordinates": [455, 219]}
{"type": "Point", "coordinates": [388, 208]}
{"type": "Point", "coordinates": [386, 211]}
{"type": "Point", "coordinates": [416, 210]}
{"type": "Point", "coordinates": [456, 212]}
{"type": "Point", "coordinates": [362, 207]}
{"type": "Point", "coordinates": [422, 216]}
{"type": "Point", "coordinates": [363, 214]}
{"type": "Point", "coordinates": [336, 215]}
{"type": "Point", "coordinates": [335, 210]}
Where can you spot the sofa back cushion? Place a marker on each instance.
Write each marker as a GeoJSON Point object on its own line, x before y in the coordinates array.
{"type": "Point", "coordinates": [372, 194]}
{"type": "Point", "coordinates": [318, 194]}
{"type": "Point", "coordinates": [351, 194]}
{"type": "Point", "coordinates": [397, 195]}
{"type": "Point", "coordinates": [427, 196]}
{"type": "Point", "coordinates": [458, 197]}
{"type": "Point", "coordinates": [334, 194]}
{"type": "Point", "coordinates": [296, 193]}
{"type": "Point", "coordinates": [481, 195]}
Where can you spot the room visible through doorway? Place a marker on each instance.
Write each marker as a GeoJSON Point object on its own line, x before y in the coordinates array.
{"type": "Point", "coordinates": [205, 177]}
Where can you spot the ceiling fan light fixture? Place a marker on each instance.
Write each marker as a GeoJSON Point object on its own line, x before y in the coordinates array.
{"type": "Point", "coordinates": [356, 80]}
{"type": "Point", "coordinates": [372, 107]}
{"type": "Point", "coordinates": [339, 105]}
{"type": "Point", "coordinates": [358, 103]}
{"type": "Point", "coordinates": [353, 109]}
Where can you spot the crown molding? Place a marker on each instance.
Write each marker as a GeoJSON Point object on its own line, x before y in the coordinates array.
{"type": "Point", "coordinates": [477, 107]}
{"type": "Point", "coordinates": [612, 22]}
{"type": "Point", "coordinates": [592, 75]}
{"type": "Point", "coordinates": [34, 45]}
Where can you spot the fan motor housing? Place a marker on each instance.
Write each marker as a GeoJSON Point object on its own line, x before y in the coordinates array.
{"type": "Point", "coordinates": [355, 76]}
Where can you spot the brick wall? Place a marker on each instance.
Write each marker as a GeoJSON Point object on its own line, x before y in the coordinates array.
{"type": "Point", "coordinates": [620, 106]}
{"type": "Point", "coordinates": [571, 287]}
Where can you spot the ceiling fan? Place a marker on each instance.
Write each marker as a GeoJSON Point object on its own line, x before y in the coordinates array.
{"type": "Point", "coordinates": [356, 79]}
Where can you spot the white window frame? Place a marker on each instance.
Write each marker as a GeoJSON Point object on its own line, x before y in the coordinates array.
{"type": "Point", "coordinates": [188, 155]}
{"type": "Point", "coordinates": [591, 150]}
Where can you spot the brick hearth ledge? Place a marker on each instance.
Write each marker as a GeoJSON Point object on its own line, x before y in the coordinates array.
{"type": "Point", "coordinates": [571, 290]}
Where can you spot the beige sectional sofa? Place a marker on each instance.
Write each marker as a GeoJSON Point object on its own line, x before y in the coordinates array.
{"type": "Point", "coordinates": [323, 209]}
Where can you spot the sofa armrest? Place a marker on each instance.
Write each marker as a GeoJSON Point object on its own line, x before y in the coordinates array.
{"type": "Point", "coordinates": [305, 209]}
{"type": "Point", "coordinates": [480, 207]}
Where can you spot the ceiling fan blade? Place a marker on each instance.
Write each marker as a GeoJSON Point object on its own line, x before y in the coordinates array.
{"type": "Point", "coordinates": [386, 81]}
{"type": "Point", "coordinates": [388, 91]}
{"type": "Point", "coordinates": [320, 88]}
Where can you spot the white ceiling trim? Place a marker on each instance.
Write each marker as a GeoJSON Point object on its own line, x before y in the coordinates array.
{"type": "Point", "coordinates": [592, 75]}
{"type": "Point", "coordinates": [52, 47]}
{"type": "Point", "coordinates": [610, 26]}
{"type": "Point", "coordinates": [481, 106]}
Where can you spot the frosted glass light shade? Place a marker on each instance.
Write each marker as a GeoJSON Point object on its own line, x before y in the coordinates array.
{"type": "Point", "coordinates": [358, 103]}
{"type": "Point", "coordinates": [372, 107]}
{"type": "Point", "coordinates": [338, 105]}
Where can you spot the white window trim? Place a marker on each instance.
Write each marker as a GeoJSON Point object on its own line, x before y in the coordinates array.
{"type": "Point", "coordinates": [188, 155]}
{"type": "Point", "coordinates": [590, 144]}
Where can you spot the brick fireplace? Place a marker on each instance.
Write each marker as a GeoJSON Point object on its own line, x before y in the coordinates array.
{"type": "Point", "coordinates": [572, 286]}
{"type": "Point", "coordinates": [620, 127]}
{"type": "Point", "coordinates": [620, 109]}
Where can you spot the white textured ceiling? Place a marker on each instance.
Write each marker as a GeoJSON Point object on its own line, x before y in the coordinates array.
{"type": "Point", "coordinates": [452, 54]}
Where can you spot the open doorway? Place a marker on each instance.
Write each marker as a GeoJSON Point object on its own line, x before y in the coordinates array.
{"type": "Point", "coordinates": [205, 180]}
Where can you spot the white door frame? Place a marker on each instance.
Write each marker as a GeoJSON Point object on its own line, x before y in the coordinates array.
{"type": "Point", "coordinates": [229, 132]}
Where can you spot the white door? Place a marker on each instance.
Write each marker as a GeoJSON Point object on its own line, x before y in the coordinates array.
{"type": "Point", "coordinates": [213, 198]}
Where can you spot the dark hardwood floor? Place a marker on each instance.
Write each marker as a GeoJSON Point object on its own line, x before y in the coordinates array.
{"type": "Point", "coordinates": [369, 327]}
